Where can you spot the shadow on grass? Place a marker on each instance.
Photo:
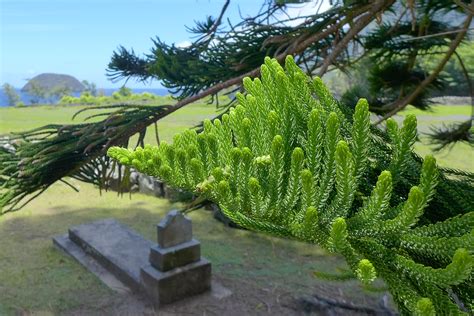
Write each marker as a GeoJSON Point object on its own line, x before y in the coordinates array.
{"type": "Point", "coordinates": [34, 276]}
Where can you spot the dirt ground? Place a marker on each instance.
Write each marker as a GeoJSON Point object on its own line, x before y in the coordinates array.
{"type": "Point", "coordinates": [242, 297]}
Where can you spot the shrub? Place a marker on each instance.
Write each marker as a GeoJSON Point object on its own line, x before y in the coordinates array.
{"type": "Point", "coordinates": [102, 99]}
{"type": "Point", "coordinates": [86, 98]}
{"type": "Point", "coordinates": [116, 96]}
{"type": "Point", "coordinates": [67, 99]}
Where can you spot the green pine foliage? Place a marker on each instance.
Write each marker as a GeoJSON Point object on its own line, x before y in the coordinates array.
{"type": "Point", "coordinates": [290, 161]}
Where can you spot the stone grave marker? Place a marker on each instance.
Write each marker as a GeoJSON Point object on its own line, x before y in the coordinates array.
{"type": "Point", "coordinates": [168, 271]}
{"type": "Point", "coordinates": [176, 268]}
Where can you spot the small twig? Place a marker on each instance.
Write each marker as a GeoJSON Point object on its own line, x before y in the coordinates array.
{"type": "Point", "coordinates": [469, 82]}
{"type": "Point", "coordinates": [361, 23]}
{"type": "Point", "coordinates": [13, 209]}
{"type": "Point", "coordinates": [400, 105]}
{"type": "Point", "coordinates": [156, 134]}
{"type": "Point", "coordinates": [211, 33]}
{"type": "Point", "coordinates": [69, 184]}
{"type": "Point", "coordinates": [433, 35]}
{"type": "Point", "coordinates": [465, 6]}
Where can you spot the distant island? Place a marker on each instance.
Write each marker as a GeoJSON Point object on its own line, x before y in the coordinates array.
{"type": "Point", "coordinates": [52, 81]}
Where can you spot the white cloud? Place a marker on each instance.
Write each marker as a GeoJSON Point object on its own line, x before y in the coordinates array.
{"type": "Point", "coordinates": [304, 9]}
{"type": "Point", "coordinates": [183, 44]}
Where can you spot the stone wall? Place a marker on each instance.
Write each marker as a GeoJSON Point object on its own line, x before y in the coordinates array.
{"type": "Point", "coordinates": [149, 185]}
{"type": "Point", "coordinates": [451, 100]}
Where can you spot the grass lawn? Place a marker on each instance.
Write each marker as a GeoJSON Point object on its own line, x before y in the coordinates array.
{"type": "Point", "coordinates": [13, 119]}
{"type": "Point", "coordinates": [440, 110]}
{"type": "Point", "coordinates": [460, 156]}
{"type": "Point", "coordinates": [36, 278]}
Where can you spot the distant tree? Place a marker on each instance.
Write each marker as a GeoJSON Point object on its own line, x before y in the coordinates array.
{"type": "Point", "coordinates": [40, 94]}
{"type": "Point", "coordinates": [37, 93]}
{"type": "Point", "coordinates": [57, 93]}
{"type": "Point", "coordinates": [90, 87]}
{"type": "Point", "coordinates": [12, 95]}
{"type": "Point", "coordinates": [86, 98]}
{"type": "Point", "coordinates": [124, 91]}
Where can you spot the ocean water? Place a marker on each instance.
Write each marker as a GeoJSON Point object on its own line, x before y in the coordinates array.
{"type": "Point", "coordinates": [26, 99]}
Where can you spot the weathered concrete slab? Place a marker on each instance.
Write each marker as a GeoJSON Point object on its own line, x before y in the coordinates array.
{"type": "Point", "coordinates": [65, 244]}
{"type": "Point", "coordinates": [167, 272]}
{"type": "Point", "coordinates": [165, 259]}
{"type": "Point", "coordinates": [174, 229]}
{"type": "Point", "coordinates": [116, 247]}
{"type": "Point", "coordinates": [179, 283]}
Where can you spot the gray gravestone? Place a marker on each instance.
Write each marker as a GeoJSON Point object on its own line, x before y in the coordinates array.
{"type": "Point", "coordinates": [176, 268]}
{"type": "Point", "coordinates": [165, 259]}
{"type": "Point", "coordinates": [168, 271]}
{"type": "Point", "coordinates": [174, 229]}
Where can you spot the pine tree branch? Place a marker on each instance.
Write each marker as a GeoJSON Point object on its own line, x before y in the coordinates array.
{"type": "Point", "coordinates": [465, 6]}
{"type": "Point", "coordinates": [417, 38]}
{"type": "Point", "coordinates": [306, 37]}
{"type": "Point", "coordinates": [401, 104]}
{"type": "Point", "coordinates": [449, 135]}
{"type": "Point", "coordinates": [359, 25]}
{"type": "Point", "coordinates": [211, 33]}
{"type": "Point", "coordinates": [237, 80]}
{"type": "Point", "coordinates": [262, 165]}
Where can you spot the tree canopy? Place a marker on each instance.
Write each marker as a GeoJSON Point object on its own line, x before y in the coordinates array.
{"type": "Point", "coordinates": [391, 40]}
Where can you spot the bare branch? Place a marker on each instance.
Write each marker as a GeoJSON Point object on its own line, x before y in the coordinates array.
{"type": "Point", "coordinates": [216, 24]}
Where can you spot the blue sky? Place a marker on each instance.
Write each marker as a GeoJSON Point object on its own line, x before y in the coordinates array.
{"type": "Point", "coordinates": [77, 37]}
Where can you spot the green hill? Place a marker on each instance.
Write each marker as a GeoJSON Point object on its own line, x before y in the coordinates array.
{"type": "Point", "coordinates": [51, 81]}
